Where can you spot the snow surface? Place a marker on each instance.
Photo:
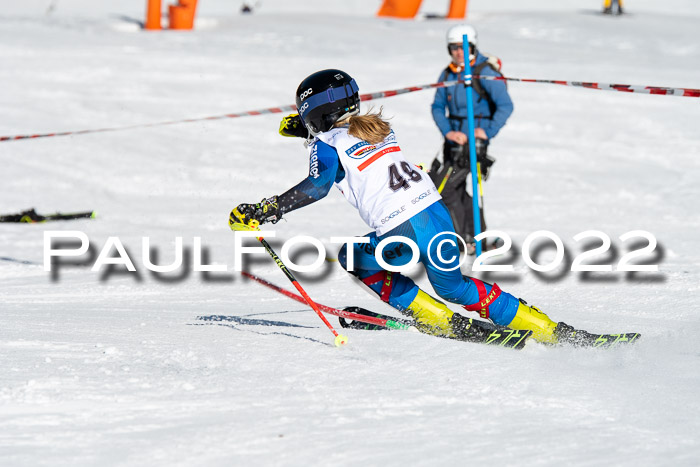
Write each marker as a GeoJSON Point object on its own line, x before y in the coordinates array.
{"type": "Point", "coordinates": [116, 368]}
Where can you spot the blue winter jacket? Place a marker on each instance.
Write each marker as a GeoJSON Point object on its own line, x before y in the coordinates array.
{"type": "Point", "coordinates": [454, 99]}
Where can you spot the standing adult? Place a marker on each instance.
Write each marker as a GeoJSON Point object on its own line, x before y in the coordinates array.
{"type": "Point", "coordinates": [492, 107]}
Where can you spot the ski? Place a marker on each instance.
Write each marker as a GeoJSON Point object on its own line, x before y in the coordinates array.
{"type": "Point", "coordinates": [31, 216]}
{"type": "Point", "coordinates": [567, 335]}
{"type": "Point", "coordinates": [468, 329]}
{"type": "Point", "coordinates": [358, 320]}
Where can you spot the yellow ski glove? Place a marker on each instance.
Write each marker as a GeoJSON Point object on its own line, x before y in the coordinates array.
{"type": "Point", "coordinates": [291, 126]}
{"type": "Point", "coordinates": [253, 215]}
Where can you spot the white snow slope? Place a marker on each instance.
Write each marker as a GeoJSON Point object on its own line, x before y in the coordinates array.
{"type": "Point", "coordinates": [118, 368]}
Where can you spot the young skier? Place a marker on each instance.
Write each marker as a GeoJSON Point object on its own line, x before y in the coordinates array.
{"type": "Point", "coordinates": [362, 157]}
{"type": "Point", "coordinates": [492, 107]}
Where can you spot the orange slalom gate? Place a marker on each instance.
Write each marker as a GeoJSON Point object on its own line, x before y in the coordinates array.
{"type": "Point", "coordinates": [182, 14]}
{"type": "Point", "coordinates": [458, 9]}
{"type": "Point", "coordinates": [153, 9]}
{"type": "Point", "coordinates": [409, 9]}
{"type": "Point", "coordinates": [399, 8]}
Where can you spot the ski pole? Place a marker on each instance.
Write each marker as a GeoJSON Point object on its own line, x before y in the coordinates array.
{"type": "Point", "coordinates": [339, 338]}
{"type": "Point", "coordinates": [472, 143]}
{"type": "Point", "coordinates": [385, 321]}
{"type": "Point", "coordinates": [478, 331]}
{"type": "Point", "coordinates": [481, 186]}
{"type": "Point", "coordinates": [481, 189]}
{"type": "Point", "coordinates": [450, 169]}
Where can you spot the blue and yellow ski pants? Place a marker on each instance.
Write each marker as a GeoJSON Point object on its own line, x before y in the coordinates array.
{"type": "Point", "coordinates": [440, 258]}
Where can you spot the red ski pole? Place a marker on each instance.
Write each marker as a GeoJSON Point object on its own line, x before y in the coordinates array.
{"type": "Point", "coordinates": [339, 338]}
{"type": "Point", "coordinates": [387, 322]}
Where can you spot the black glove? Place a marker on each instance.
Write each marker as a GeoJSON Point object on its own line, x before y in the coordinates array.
{"type": "Point", "coordinates": [291, 126]}
{"type": "Point", "coordinates": [481, 146]}
{"type": "Point", "coordinates": [266, 210]}
{"type": "Point", "coordinates": [460, 156]}
{"type": "Point", "coordinates": [485, 164]}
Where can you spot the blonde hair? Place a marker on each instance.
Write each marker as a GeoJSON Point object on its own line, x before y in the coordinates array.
{"type": "Point", "coordinates": [370, 127]}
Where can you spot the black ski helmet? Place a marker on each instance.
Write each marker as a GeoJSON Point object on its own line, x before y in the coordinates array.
{"type": "Point", "coordinates": [325, 97]}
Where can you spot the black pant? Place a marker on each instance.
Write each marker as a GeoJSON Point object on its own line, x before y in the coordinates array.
{"type": "Point", "coordinates": [453, 175]}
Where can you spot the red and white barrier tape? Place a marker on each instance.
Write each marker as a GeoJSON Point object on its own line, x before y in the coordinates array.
{"type": "Point", "coordinates": [663, 91]}
{"type": "Point", "coordinates": [250, 113]}
{"type": "Point", "coordinates": [681, 92]}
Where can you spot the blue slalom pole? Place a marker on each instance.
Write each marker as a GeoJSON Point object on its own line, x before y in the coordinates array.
{"type": "Point", "coordinates": [472, 144]}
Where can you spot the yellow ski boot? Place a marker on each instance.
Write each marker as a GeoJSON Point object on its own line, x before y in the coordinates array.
{"type": "Point", "coordinates": [433, 316]}
{"type": "Point", "coordinates": [531, 318]}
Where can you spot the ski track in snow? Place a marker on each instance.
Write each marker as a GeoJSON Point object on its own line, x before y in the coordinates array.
{"type": "Point", "coordinates": [115, 368]}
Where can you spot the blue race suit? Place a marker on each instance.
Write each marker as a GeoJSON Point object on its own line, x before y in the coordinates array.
{"type": "Point", "coordinates": [449, 285]}
{"type": "Point", "coordinates": [421, 228]}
